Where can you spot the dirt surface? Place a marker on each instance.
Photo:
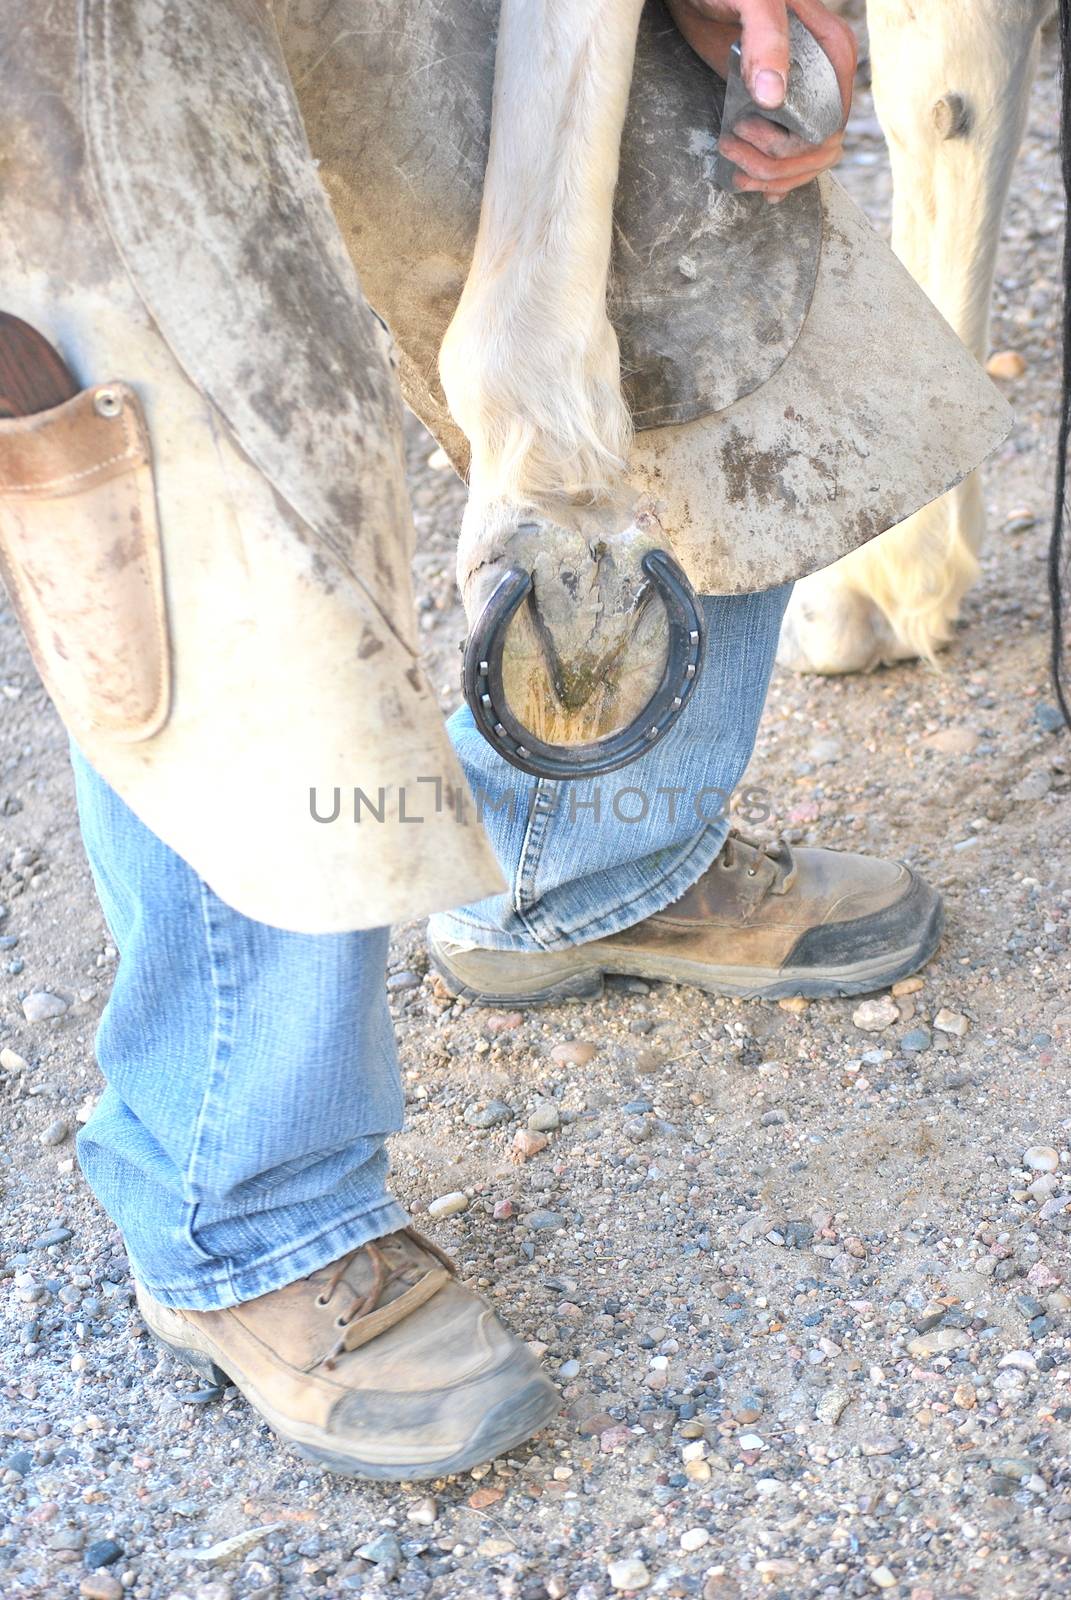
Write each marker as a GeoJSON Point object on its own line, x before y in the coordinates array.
{"type": "Point", "coordinates": [746, 1219]}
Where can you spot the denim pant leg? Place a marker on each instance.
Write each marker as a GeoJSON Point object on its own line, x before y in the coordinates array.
{"type": "Point", "coordinates": [251, 1074]}
{"type": "Point", "coordinates": [586, 859]}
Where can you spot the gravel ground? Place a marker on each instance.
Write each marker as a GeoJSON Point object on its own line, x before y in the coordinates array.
{"type": "Point", "coordinates": [801, 1271]}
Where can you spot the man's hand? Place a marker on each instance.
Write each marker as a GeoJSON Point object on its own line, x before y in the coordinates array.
{"type": "Point", "coordinates": [771, 162]}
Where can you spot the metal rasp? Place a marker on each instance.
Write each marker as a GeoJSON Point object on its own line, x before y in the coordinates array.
{"type": "Point", "coordinates": [812, 106]}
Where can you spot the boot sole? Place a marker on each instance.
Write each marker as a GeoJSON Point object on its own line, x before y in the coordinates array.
{"type": "Point", "coordinates": [745, 983]}
{"type": "Point", "coordinates": [504, 1428]}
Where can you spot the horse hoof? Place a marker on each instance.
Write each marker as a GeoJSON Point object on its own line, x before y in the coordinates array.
{"type": "Point", "coordinates": [831, 631]}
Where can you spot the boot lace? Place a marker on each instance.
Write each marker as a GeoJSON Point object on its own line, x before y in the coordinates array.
{"type": "Point", "coordinates": [362, 1305]}
{"type": "Point", "coordinates": [777, 852]}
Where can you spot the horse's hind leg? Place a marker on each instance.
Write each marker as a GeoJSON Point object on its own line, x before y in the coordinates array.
{"type": "Point", "coordinates": [952, 84]}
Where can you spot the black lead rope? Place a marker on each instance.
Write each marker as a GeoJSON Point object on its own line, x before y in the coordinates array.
{"type": "Point", "coordinates": [1059, 551]}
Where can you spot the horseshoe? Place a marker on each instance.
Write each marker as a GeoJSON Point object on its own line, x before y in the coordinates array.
{"type": "Point", "coordinates": [484, 692]}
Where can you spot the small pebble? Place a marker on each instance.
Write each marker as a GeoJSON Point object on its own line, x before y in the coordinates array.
{"type": "Point", "coordinates": [42, 1007]}
{"type": "Point", "coordinates": [448, 1205]}
{"type": "Point", "coordinates": [101, 1586]}
{"type": "Point", "coordinates": [953, 1022]}
{"type": "Point", "coordinates": [101, 1553]}
{"type": "Point", "coordinates": [694, 1538]}
{"type": "Point", "coordinates": [1041, 1158]}
{"type": "Point", "coordinates": [503, 1021]}
{"type": "Point", "coordinates": [403, 980]}
{"type": "Point", "coordinates": [56, 1132]}
{"type": "Point", "coordinates": [628, 1575]}
{"type": "Point", "coordinates": [1035, 786]}
{"type": "Point", "coordinates": [424, 1512]}
{"type": "Point", "coordinates": [832, 1405]}
{"type": "Point", "coordinates": [53, 1236]}
{"type": "Point", "coordinates": [937, 1343]}
{"type": "Point", "coordinates": [491, 1115]}
{"type": "Point", "coordinates": [1049, 718]}
{"type": "Point", "coordinates": [545, 1118]}
{"type": "Point", "coordinates": [11, 1061]}
{"type": "Point", "coordinates": [1020, 1360]}
{"type": "Point", "coordinates": [527, 1144]}
{"type": "Point", "coordinates": [574, 1053]}
{"type": "Point", "coordinates": [1005, 364]}
{"type": "Point", "coordinates": [874, 1015]}
{"type": "Point", "coordinates": [953, 741]}
{"type": "Point", "coordinates": [544, 1219]}
{"type": "Point", "coordinates": [384, 1551]}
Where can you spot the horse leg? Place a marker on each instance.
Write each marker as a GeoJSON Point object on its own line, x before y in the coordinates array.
{"type": "Point", "coordinates": [952, 84]}
{"type": "Point", "coordinates": [530, 361]}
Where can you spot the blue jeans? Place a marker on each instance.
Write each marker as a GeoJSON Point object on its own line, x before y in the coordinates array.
{"type": "Point", "coordinates": [252, 1078]}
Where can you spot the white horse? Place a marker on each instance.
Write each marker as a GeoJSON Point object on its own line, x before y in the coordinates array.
{"type": "Point", "coordinates": [531, 338]}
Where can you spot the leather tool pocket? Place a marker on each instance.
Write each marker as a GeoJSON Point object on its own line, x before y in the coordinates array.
{"type": "Point", "coordinates": [80, 555]}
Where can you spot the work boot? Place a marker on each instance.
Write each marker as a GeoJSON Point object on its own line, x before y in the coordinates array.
{"type": "Point", "coordinates": [764, 922]}
{"type": "Point", "coordinates": [378, 1366]}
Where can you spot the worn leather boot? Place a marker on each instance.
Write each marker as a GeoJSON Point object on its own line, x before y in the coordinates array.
{"type": "Point", "coordinates": [765, 921]}
{"type": "Point", "coordinates": [379, 1366]}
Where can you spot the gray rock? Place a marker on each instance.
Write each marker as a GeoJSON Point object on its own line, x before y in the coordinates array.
{"type": "Point", "coordinates": [545, 1118]}
{"type": "Point", "coordinates": [1035, 786]}
{"type": "Point", "coordinates": [42, 1007]}
{"type": "Point", "coordinates": [492, 1115]}
{"type": "Point", "coordinates": [628, 1575]}
{"type": "Point", "coordinates": [424, 1512]}
{"type": "Point", "coordinates": [53, 1236]}
{"type": "Point", "coordinates": [917, 1039]}
{"type": "Point", "coordinates": [56, 1132]}
{"type": "Point", "coordinates": [1049, 718]}
{"type": "Point", "coordinates": [544, 1219]}
{"type": "Point", "coordinates": [384, 1551]}
{"type": "Point", "coordinates": [101, 1553]}
{"type": "Point", "coordinates": [832, 1405]}
{"type": "Point", "coordinates": [403, 980]}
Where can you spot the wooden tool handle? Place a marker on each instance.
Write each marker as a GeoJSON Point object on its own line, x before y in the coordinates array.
{"type": "Point", "coordinates": [33, 377]}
